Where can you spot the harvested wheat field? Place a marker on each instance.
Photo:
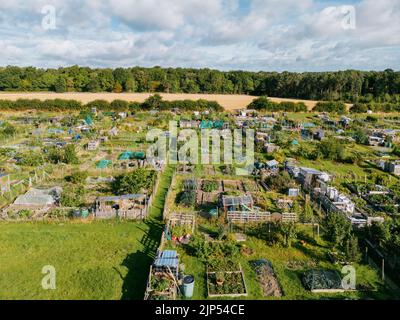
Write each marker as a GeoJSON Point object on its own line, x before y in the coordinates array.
{"type": "Point", "coordinates": [229, 102]}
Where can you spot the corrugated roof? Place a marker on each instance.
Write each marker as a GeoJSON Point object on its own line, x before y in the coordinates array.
{"type": "Point", "coordinates": [167, 258]}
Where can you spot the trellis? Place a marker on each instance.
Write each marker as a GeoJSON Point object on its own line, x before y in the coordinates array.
{"type": "Point", "coordinates": [248, 216]}
{"type": "Point", "coordinates": [288, 217]}
{"type": "Point", "coordinates": [182, 219]}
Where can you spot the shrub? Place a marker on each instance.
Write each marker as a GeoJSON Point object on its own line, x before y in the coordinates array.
{"type": "Point", "coordinates": [209, 186]}
{"type": "Point", "coordinates": [25, 214]}
{"type": "Point", "coordinates": [78, 177]}
{"type": "Point", "coordinates": [137, 181]}
{"type": "Point", "coordinates": [331, 107]}
{"type": "Point", "coordinates": [187, 198]}
{"type": "Point", "coordinates": [72, 196]}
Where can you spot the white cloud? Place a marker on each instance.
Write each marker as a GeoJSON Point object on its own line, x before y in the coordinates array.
{"type": "Point", "coordinates": [266, 34]}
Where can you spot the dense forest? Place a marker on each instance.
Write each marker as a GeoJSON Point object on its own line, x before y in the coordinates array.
{"type": "Point", "coordinates": [350, 85]}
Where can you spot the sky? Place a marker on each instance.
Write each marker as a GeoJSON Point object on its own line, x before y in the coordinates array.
{"type": "Point", "coordinates": [256, 35]}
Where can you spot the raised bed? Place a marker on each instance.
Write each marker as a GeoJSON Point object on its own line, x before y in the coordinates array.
{"type": "Point", "coordinates": [234, 284]}
{"type": "Point", "coordinates": [160, 286]}
{"type": "Point", "coordinates": [267, 278]}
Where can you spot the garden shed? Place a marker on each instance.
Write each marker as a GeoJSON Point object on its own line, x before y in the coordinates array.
{"type": "Point", "coordinates": [162, 283]}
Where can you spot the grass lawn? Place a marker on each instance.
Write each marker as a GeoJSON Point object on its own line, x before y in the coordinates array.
{"type": "Point", "coordinates": [93, 260]}
{"type": "Point", "coordinates": [97, 260]}
{"type": "Point", "coordinates": [312, 256]}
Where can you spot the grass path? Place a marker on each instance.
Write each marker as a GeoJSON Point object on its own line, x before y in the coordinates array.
{"type": "Point", "coordinates": [150, 241]}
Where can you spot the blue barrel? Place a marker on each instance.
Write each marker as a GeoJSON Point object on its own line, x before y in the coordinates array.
{"type": "Point", "coordinates": [188, 286]}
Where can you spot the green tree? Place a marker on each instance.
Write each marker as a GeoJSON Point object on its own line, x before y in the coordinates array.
{"type": "Point", "coordinates": [153, 102]}
{"type": "Point", "coordinates": [72, 195]}
{"type": "Point", "coordinates": [351, 249]}
{"type": "Point", "coordinates": [289, 233]}
{"type": "Point", "coordinates": [70, 155]}
{"type": "Point", "coordinates": [130, 85]}
{"type": "Point", "coordinates": [60, 85]}
{"type": "Point", "coordinates": [307, 213]}
{"type": "Point", "coordinates": [117, 88]}
{"type": "Point", "coordinates": [337, 228]}
{"type": "Point", "coordinates": [137, 181]}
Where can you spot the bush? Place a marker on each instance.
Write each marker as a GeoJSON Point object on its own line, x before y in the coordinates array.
{"type": "Point", "coordinates": [78, 177]}
{"type": "Point", "coordinates": [338, 228]}
{"type": "Point", "coordinates": [187, 198]}
{"type": "Point", "coordinates": [331, 107]}
{"type": "Point", "coordinates": [72, 196]}
{"type": "Point", "coordinates": [137, 181]}
{"type": "Point", "coordinates": [264, 104]}
{"type": "Point", "coordinates": [25, 214]}
{"type": "Point", "coordinates": [209, 186]}
{"type": "Point", "coordinates": [31, 159]}
{"type": "Point", "coordinates": [280, 182]}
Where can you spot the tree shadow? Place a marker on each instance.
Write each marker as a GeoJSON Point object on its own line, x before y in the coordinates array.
{"type": "Point", "coordinates": [310, 252]}
{"type": "Point", "coordinates": [134, 285]}
{"type": "Point", "coordinates": [138, 263]}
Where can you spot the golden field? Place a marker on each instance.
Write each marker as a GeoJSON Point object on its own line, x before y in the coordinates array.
{"type": "Point", "coordinates": [229, 102]}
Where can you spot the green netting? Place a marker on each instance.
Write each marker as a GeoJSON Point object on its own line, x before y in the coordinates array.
{"type": "Point", "coordinates": [89, 120]}
{"type": "Point", "coordinates": [139, 155]}
{"type": "Point", "coordinates": [206, 124]}
{"type": "Point", "coordinates": [127, 155]}
{"type": "Point", "coordinates": [322, 280]}
{"type": "Point", "coordinates": [218, 124]}
{"type": "Point", "coordinates": [103, 164]}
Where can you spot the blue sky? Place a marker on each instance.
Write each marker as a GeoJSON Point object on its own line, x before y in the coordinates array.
{"type": "Point", "coordinates": [271, 35]}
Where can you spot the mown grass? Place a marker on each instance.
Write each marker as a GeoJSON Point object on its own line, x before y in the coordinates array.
{"type": "Point", "coordinates": [106, 260]}
{"type": "Point", "coordinates": [92, 260]}
{"type": "Point", "coordinates": [313, 255]}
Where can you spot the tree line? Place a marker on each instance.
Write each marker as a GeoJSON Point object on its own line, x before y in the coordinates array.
{"type": "Point", "coordinates": [154, 102]}
{"type": "Point", "coordinates": [350, 85]}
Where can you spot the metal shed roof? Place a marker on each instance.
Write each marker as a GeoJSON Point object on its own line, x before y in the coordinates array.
{"type": "Point", "coordinates": [167, 258]}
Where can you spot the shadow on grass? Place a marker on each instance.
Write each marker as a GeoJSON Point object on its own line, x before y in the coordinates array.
{"type": "Point", "coordinates": [312, 253]}
{"type": "Point", "coordinates": [138, 263]}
